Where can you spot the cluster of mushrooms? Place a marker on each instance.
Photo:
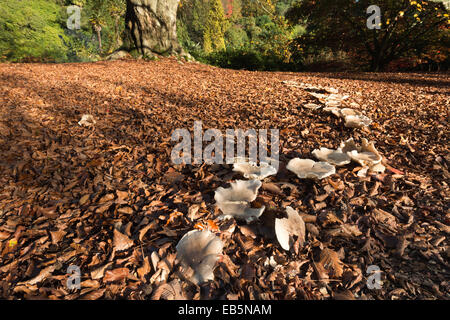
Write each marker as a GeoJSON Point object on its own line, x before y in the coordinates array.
{"type": "Point", "coordinates": [332, 102]}
{"type": "Point", "coordinates": [199, 250]}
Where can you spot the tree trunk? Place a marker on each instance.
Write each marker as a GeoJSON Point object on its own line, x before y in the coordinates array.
{"type": "Point", "coordinates": [379, 61]}
{"type": "Point", "coordinates": [98, 30]}
{"type": "Point", "coordinates": [151, 27]}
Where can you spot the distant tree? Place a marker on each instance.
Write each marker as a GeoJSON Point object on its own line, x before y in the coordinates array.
{"type": "Point", "coordinates": [193, 14]}
{"type": "Point", "coordinates": [98, 9]}
{"type": "Point", "coordinates": [254, 8]}
{"type": "Point", "coordinates": [405, 27]}
{"type": "Point", "coordinates": [116, 9]}
{"type": "Point", "coordinates": [215, 27]}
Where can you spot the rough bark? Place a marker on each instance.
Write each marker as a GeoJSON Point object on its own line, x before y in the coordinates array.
{"type": "Point", "coordinates": [151, 27]}
{"type": "Point", "coordinates": [98, 31]}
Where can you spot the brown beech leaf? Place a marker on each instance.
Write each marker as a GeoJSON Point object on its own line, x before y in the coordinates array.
{"type": "Point", "coordinates": [169, 291]}
{"type": "Point", "coordinates": [57, 236]}
{"type": "Point", "coordinates": [145, 269]}
{"type": "Point", "coordinates": [99, 272]}
{"type": "Point", "coordinates": [43, 274]}
{"type": "Point", "coordinates": [50, 213]}
{"type": "Point", "coordinates": [331, 262]}
{"type": "Point", "coordinates": [125, 210]}
{"type": "Point", "coordinates": [116, 274]}
{"type": "Point", "coordinates": [94, 295]}
{"type": "Point", "coordinates": [4, 235]}
{"type": "Point", "coordinates": [121, 241]}
{"type": "Point", "coordinates": [144, 230]}
{"type": "Point", "coordinates": [343, 295]}
{"type": "Point", "coordinates": [106, 198]}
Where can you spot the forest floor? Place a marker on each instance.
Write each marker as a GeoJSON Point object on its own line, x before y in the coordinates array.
{"type": "Point", "coordinates": [108, 199]}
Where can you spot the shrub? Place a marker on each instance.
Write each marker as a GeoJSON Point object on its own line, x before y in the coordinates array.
{"type": "Point", "coordinates": [30, 31]}
{"type": "Point", "coordinates": [248, 59]}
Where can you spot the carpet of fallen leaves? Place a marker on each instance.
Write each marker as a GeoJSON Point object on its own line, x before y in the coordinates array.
{"type": "Point", "coordinates": [109, 200]}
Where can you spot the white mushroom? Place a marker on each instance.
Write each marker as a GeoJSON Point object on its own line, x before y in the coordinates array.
{"type": "Point", "coordinates": [251, 170]}
{"type": "Point", "coordinates": [319, 96]}
{"type": "Point", "coordinates": [310, 87]}
{"type": "Point", "coordinates": [287, 227]}
{"type": "Point", "coordinates": [235, 201]}
{"type": "Point", "coordinates": [309, 169]}
{"type": "Point", "coordinates": [345, 112]}
{"type": "Point", "coordinates": [337, 97]}
{"type": "Point", "coordinates": [334, 110]}
{"type": "Point", "coordinates": [312, 106]}
{"type": "Point", "coordinates": [87, 120]}
{"type": "Point", "coordinates": [291, 83]}
{"type": "Point", "coordinates": [357, 121]}
{"type": "Point", "coordinates": [333, 103]}
{"type": "Point", "coordinates": [366, 154]}
{"type": "Point", "coordinates": [348, 145]}
{"type": "Point", "coordinates": [332, 90]}
{"type": "Point", "coordinates": [362, 173]}
{"type": "Point", "coordinates": [334, 157]}
{"type": "Point", "coordinates": [378, 168]}
{"type": "Point", "coordinates": [349, 112]}
{"type": "Point", "coordinates": [200, 250]}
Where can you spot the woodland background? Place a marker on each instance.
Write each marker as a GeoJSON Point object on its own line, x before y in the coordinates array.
{"type": "Point", "coordinates": [242, 34]}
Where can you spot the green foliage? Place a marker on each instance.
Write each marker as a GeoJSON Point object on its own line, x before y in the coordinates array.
{"type": "Point", "coordinates": [248, 59]}
{"type": "Point", "coordinates": [192, 15]}
{"type": "Point", "coordinates": [236, 37]}
{"type": "Point", "coordinates": [256, 30]}
{"type": "Point", "coordinates": [30, 30]}
{"type": "Point", "coordinates": [106, 16]}
{"type": "Point", "coordinates": [80, 47]}
{"type": "Point", "coordinates": [37, 30]}
{"type": "Point", "coordinates": [215, 27]}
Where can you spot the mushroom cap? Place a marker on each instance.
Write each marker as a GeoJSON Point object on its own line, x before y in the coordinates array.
{"type": "Point", "coordinates": [312, 106]}
{"type": "Point", "coordinates": [349, 112]}
{"type": "Point", "coordinates": [319, 96]}
{"type": "Point", "coordinates": [309, 169]}
{"type": "Point", "coordinates": [357, 121]}
{"type": "Point", "coordinates": [291, 83]}
{"type": "Point", "coordinates": [241, 190]}
{"type": "Point", "coordinates": [364, 158]}
{"type": "Point", "coordinates": [235, 201]}
{"type": "Point", "coordinates": [332, 90]}
{"type": "Point", "coordinates": [286, 227]}
{"type": "Point", "coordinates": [239, 210]}
{"type": "Point", "coordinates": [200, 249]}
{"type": "Point", "coordinates": [378, 168]}
{"type": "Point", "coordinates": [365, 155]}
{"type": "Point", "coordinates": [87, 120]}
{"type": "Point", "coordinates": [348, 145]}
{"type": "Point", "coordinates": [337, 97]}
{"type": "Point", "coordinates": [333, 103]}
{"type": "Point", "coordinates": [310, 87]}
{"type": "Point", "coordinates": [334, 157]}
{"type": "Point", "coordinates": [253, 171]}
{"type": "Point", "coordinates": [334, 110]}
